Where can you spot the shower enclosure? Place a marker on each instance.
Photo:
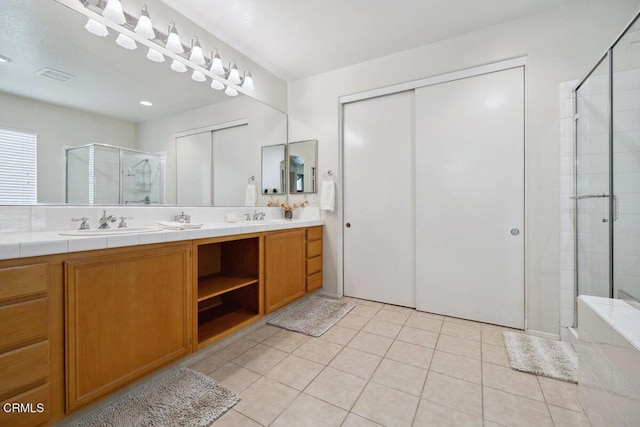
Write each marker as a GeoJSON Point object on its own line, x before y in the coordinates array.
{"type": "Point", "coordinates": [607, 173]}
{"type": "Point", "coordinates": [105, 174]}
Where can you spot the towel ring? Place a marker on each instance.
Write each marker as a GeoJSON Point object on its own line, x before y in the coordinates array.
{"type": "Point", "coordinates": [329, 176]}
{"type": "Point", "coordinates": [252, 179]}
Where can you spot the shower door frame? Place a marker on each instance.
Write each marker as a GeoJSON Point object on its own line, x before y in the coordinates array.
{"type": "Point", "coordinates": [608, 57]}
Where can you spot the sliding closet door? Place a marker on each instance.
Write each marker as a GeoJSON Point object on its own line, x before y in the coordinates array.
{"type": "Point", "coordinates": [230, 165]}
{"type": "Point", "coordinates": [379, 199]}
{"type": "Point", "coordinates": [194, 169]}
{"type": "Point", "coordinates": [470, 198]}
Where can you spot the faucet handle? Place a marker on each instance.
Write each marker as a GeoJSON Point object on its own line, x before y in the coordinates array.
{"type": "Point", "coordinates": [123, 223]}
{"type": "Point", "coordinates": [84, 225]}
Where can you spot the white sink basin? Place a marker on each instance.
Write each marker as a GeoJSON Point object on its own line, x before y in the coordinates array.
{"type": "Point", "coordinates": [110, 231]}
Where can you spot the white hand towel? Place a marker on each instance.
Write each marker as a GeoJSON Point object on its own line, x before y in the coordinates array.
{"type": "Point", "coordinates": [173, 225]}
{"type": "Point", "coordinates": [328, 196]}
{"type": "Point", "coordinates": [250, 196]}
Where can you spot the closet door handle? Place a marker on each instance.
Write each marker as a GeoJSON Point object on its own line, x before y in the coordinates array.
{"type": "Point", "coordinates": [348, 225]}
{"type": "Point", "coordinates": [514, 231]}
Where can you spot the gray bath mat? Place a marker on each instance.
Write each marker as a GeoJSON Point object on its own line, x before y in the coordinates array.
{"type": "Point", "coordinates": [313, 316]}
{"type": "Point", "coordinates": [540, 356]}
{"type": "Point", "coordinates": [180, 398]}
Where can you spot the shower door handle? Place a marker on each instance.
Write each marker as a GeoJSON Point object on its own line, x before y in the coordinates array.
{"type": "Point", "coordinates": [588, 196]}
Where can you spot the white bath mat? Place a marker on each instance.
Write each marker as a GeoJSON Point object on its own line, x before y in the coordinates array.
{"type": "Point", "coordinates": [180, 398]}
{"type": "Point", "coordinates": [312, 317]}
{"type": "Point", "coordinates": [540, 356]}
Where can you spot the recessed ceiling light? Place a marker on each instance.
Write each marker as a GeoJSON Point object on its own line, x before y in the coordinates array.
{"type": "Point", "coordinates": [146, 103]}
{"type": "Point", "coordinates": [4, 59]}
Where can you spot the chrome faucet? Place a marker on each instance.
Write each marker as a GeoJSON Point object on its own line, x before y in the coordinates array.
{"type": "Point", "coordinates": [258, 215]}
{"type": "Point", "coordinates": [105, 220]}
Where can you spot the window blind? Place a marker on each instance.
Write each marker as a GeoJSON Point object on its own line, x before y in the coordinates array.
{"type": "Point", "coordinates": [18, 162]}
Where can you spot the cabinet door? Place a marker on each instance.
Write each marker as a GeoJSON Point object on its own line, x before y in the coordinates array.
{"type": "Point", "coordinates": [127, 313]}
{"type": "Point", "coordinates": [284, 268]}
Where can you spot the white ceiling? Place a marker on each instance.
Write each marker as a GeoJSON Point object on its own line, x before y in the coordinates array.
{"type": "Point", "coordinates": [299, 38]}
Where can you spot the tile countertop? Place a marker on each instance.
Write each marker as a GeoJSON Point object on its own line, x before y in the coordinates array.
{"type": "Point", "coordinates": [622, 317]}
{"type": "Point", "coordinates": [22, 245]}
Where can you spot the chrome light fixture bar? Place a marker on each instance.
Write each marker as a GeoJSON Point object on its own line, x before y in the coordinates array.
{"type": "Point", "coordinates": [110, 14]}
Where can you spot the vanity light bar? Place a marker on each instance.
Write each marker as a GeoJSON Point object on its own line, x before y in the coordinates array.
{"type": "Point", "coordinates": [169, 44]}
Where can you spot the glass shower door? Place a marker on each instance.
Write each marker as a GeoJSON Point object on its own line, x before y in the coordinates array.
{"type": "Point", "coordinates": [592, 183]}
{"type": "Point", "coordinates": [626, 165]}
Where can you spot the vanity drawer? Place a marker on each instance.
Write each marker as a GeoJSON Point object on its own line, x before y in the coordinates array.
{"type": "Point", "coordinates": [24, 281]}
{"type": "Point", "coordinates": [314, 233]}
{"type": "Point", "coordinates": [314, 265]}
{"type": "Point", "coordinates": [24, 369]}
{"type": "Point", "coordinates": [23, 323]}
{"type": "Point", "coordinates": [314, 281]}
{"type": "Point", "coordinates": [36, 414]}
{"type": "Point", "coordinates": [314, 248]}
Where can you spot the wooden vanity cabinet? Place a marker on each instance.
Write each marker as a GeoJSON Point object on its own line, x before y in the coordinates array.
{"type": "Point", "coordinates": [313, 266]}
{"type": "Point", "coordinates": [127, 313]}
{"type": "Point", "coordinates": [284, 253]}
{"type": "Point", "coordinates": [25, 361]}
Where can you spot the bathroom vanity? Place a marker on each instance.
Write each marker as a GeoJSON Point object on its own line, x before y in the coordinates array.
{"type": "Point", "coordinates": [79, 325]}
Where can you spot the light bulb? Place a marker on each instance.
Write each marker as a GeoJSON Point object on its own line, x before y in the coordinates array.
{"type": "Point", "coordinates": [144, 26]}
{"type": "Point", "coordinates": [173, 40]}
{"type": "Point", "coordinates": [231, 91]}
{"type": "Point", "coordinates": [178, 67]}
{"type": "Point", "coordinates": [155, 56]}
{"type": "Point", "coordinates": [216, 64]}
{"type": "Point", "coordinates": [126, 42]}
{"type": "Point", "coordinates": [216, 84]}
{"type": "Point", "coordinates": [94, 27]}
{"type": "Point", "coordinates": [248, 82]}
{"type": "Point", "coordinates": [234, 75]}
{"type": "Point", "coordinates": [113, 11]}
{"type": "Point", "coordinates": [196, 56]}
{"type": "Point", "coordinates": [198, 76]}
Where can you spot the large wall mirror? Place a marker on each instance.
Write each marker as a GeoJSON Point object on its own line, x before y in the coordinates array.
{"type": "Point", "coordinates": [274, 169]}
{"type": "Point", "coordinates": [303, 167]}
{"type": "Point", "coordinates": [74, 89]}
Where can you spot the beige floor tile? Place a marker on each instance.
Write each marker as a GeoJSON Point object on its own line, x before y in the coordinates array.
{"type": "Point", "coordinates": [459, 346]}
{"type": "Point", "coordinates": [425, 321]}
{"type": "Point", "coordinates": [461, 321]}
{"type": "Point", "coordinates": [366, 302]}
{"type": "Point", "coordinates": [382, 328]}
{"type": "Point", "coordinates": [265, 399]}
{"type": "Point", "coordinates": [454, 393]}
{"type": "Point", "coordinates": [318, 350]}
{"type": "Point", "coordinates": [234, 377]}
{"type": "Point", "coordinates": [488, 423]}
{"type": "Point", "coordinates": [370, 343]}
{"type": "Point", "coordinates": [310, 412]}
{"type": "Point", "coordinates": [469, 332]}
{"type": "Point", "coordinates": [508, 409]}
{"type": "Point", "coordinates": [433, 415]}
{"type": "Point", "coordinates": [235, 349]}
{"type": "Point", "coordinates": [495, 354]}
{"type": "Point", "coordinates": [511, 381]}
{"type": "Point", "coordinates": [339, 335]}
{"type": "Point", "coordinates": [398, 308]}
{"type": "Point", "coordinates": [336, 387]}
{"type": "Point", "coordinates": [208, 364]}
{"type": "Point", "coordinates": [364, 311]}
{"type": "Point", "coordinates": [260, 358]}
{"type": "Point", "coordinates": [356, 362]}
{"type": "Point", "coordinates": [457, 366]}
{"type": "Point", "coordinates": [560, 393]}
{"type": "Point", "coordinates": [565, 417]}
{"type": "Point", "coordinates": [235, 419]}
{"type": "Point", "coordinates": [263, 333]}
{"type": "Point", "coordinates": [386, 406]}
{"type": "Point", "coordinates": [354, 420]}
{"type": "Point", "coordinates": [352, 321]}
{"type": "Point", "coordinates": [295, 372]}
{"type": "Point", "coordinates": [412, 354]}
{"type": "Point", "coordinates": [418, 336]}
{"type": "Point", "coordinates": [493, 336]}
{"type": "Point", "coordinates": [286, 340]}
{"type": "Point", "coordinates": [398, 317]}
{"type": "Point", "coordinates": [400, 376]}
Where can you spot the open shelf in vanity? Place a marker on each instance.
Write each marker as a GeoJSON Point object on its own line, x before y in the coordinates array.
{"type": "Point", "coordinates": [228, 285]}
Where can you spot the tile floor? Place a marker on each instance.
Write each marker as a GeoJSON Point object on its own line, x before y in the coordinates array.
{"type": "Point", "coordinates": [386, 365]}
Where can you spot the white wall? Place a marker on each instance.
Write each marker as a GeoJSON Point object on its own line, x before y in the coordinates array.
{"type": "Point", "coordinates": [58, 127]}
{"type": "Point", "coordinates": [267, 126]}
{"type": "Point", "coordinates": [560, 45]}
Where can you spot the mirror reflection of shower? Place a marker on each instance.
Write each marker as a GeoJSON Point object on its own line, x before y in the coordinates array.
{"type": "Point", "coordinates": [105, 174]}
